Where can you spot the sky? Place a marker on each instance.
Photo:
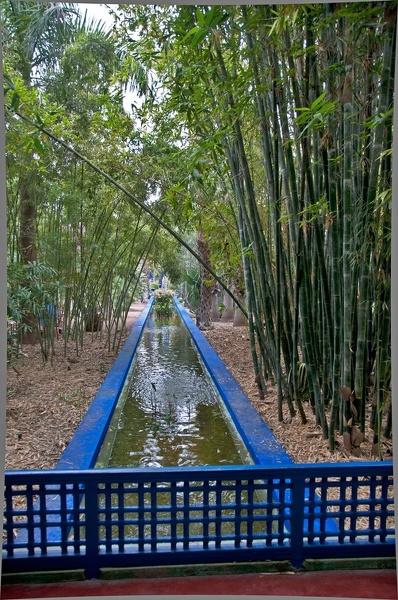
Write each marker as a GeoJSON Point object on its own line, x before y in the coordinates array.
{"type": "Point", "coordinates": [99, 11]}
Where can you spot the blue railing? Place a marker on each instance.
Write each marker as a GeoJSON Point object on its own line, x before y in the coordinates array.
{"type": "Point", "coordinates": [130, 517]}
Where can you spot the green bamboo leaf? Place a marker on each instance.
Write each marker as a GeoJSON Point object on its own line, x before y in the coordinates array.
{"type": "Point", "coordinates": [215, 16]}
{"type": "Point", "coordinates": [384, 198]}
{"type": "Point", "coordinates": [192, 32]}
{"type": "Point", "coordinates": [279, 23]}
{"type": "Point", "coordinates": [197, 175]}
{"type": "Point", "coordinates": [200, 17]}
{"type": "Point", "coordinates": [9, 84]}
{"type": "Point", "coordinates": [15, 101]}
{"type": "Point", "coordinates": [38, 145]}
{"type": "Point", "coordinates": [304, 115]}
{"type": "Point", "coordinates": [318, 102]}
{"type": "Point", "coordinates": [198, 37]}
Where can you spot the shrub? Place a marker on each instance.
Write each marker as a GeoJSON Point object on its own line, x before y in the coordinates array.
{"type": "Point", "coordinates": [33, 291]}
{"type": "Point", "coordinates": [163, 301]}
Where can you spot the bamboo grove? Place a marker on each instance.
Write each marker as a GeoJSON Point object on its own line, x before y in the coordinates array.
{"type": "Point", "coordinates": [73, 241]}
{"type": "Point", "coordinates": [290, 109]}
{"type": "Point", "coordinates": [265, 129]}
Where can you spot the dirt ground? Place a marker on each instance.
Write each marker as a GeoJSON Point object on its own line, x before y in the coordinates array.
{"type": "Point", "coordinates": [45, 403]}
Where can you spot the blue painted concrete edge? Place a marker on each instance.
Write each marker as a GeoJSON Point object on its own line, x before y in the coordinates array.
{"type": "Point", "coordinates": [261, 443]}
{"type": "Point", "coordinates": [263, 446]}
{"type": "Point", "coordinates": [83, 449]}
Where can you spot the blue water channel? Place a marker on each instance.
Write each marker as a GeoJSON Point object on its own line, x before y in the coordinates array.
{"type": "Point", "coordinates": [171, 414]}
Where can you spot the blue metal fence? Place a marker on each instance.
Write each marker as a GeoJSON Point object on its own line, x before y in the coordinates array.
{"type": "Point", "coordinates": [100, 518]}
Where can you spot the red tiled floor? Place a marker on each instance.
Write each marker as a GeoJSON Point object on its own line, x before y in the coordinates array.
{"type": "Point", "coordinates": [338, 584]}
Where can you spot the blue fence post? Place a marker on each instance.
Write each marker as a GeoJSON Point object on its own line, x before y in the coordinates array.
{"type": "Point", "coordinates": [297, 519]}
{"type": "Point", "coordinates": [91, 520]}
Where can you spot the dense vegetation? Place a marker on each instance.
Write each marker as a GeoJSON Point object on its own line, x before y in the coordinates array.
{"type": "Point", "coordinates": [265, 132]}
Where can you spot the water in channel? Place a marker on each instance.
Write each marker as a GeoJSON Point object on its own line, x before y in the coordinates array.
{"type": "Point", "coordinates": [171, 415]}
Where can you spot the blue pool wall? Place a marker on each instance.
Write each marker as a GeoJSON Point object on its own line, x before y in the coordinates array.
{"type": "Point", "coordinates": [262, 445]}
{"type": "Point", "coordinates": [84, 447]}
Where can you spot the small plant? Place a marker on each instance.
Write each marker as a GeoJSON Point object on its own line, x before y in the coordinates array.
{"type": "Point", "coordinates": [13, 345]}
{"type": "Point", "coordinates": [191, 288]}
{"type": "Point", "coordinates": [163, 304]}
{"type": "Point", "coordinates": [221, 308]}
{"type": "Point", "coordinates": [32, 294]}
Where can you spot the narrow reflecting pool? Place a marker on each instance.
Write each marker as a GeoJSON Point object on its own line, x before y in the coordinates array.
{"type": "Point", "coordinates": [171, 415]}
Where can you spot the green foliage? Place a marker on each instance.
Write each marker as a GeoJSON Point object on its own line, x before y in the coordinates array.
{"type": "Point", "coordinates": [190, 288]}
{"type": "Point", "coordinates": [33, 291]}
{"type": "Point", "coordinates": [83, 79]}
{"type": "Point", "coordinates": [314, 117]}
{"type": "Point", "coordinates": [269, 129]}
{"type": "Point", "coordinates": [163, 304]}
{"type": "Point", "coordinates": [30, 287]}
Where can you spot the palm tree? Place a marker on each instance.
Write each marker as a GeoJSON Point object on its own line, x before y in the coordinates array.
{"type": "Point", "coordinates": [35, 33]}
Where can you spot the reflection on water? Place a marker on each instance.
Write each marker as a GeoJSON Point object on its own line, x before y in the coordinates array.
{"type": "Point", "coordinates": [172, 415]}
